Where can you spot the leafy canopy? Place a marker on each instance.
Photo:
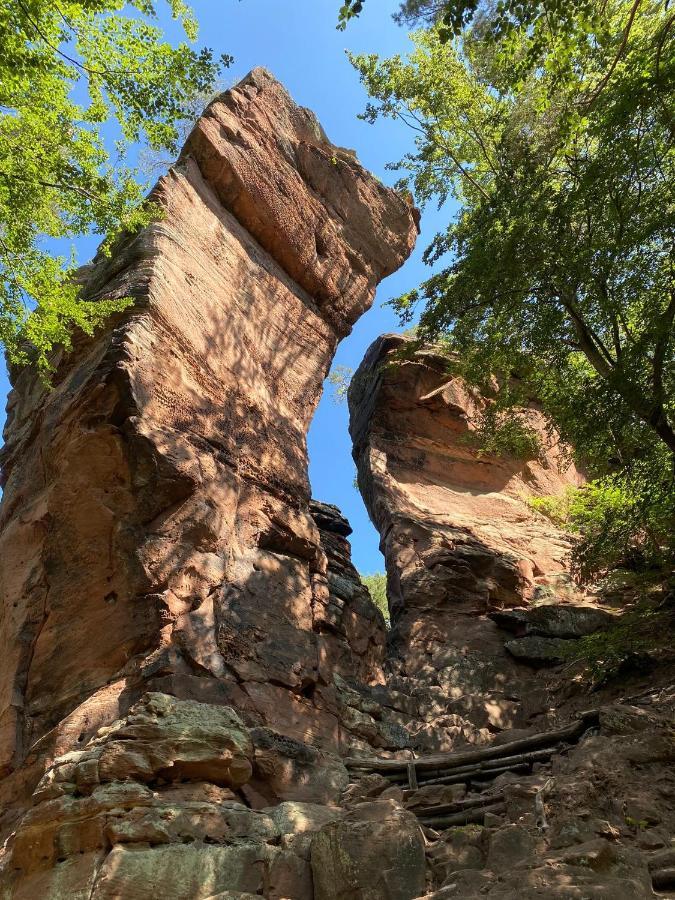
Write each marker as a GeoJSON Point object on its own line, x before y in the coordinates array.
{"type": "Point", "coordinates": [502, 17]}
{"type": "Point", "coordinates": [68, 69]}
{"type": "Point", "coordinates": [624, 519]}
{"type": "Point", "coordinates": [560, 155]}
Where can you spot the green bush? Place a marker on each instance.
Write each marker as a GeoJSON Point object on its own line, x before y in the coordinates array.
{"type": "Point", "coordinates": [556, 508]}
{"type": "Point", "coordinates": [377, 586]}
{"type": "Point", "coordinates": [625, 519]}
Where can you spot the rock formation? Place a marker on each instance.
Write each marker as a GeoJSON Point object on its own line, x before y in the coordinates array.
{"type": "Point", "coordinates": [198, 698]}
{"type": "Point", "coordinates": [480, 599]}
{"type": "Point", "coordinates": [161, 565]}
{"type": "Point", "coordinates": [581, 811]}
{"type": "Point", "coordinates": [458, 537]}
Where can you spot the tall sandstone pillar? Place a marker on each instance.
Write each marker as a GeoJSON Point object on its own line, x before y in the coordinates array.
{"type": "Point", "coordinates": [157, 551]}
{"type": "Point", "coordinates": [460, 541]}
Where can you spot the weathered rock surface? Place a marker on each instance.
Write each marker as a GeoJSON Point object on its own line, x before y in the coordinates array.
{"type": "Point", "coordinates": [596, 819]}
{"type": "Point", "coordinates": [375, 853]}
{"type": "Point", "coordinates": [545, 634]}
{"type": "Point", "coordinates": [174, 615]}
{"type": "Point", "coordinates": [198, 699]}
{"type": "Point", "coordinates": [481, 607]}
{"type": "Point", "coordinates": [458, 538]}
{"type": "Point", "coordinates": [553, 620]}
{"type": "Point", "coordinates": [539, 650]}
{"type": "Point", "coordinates": [143, 812]}
{"type": "Point", "coordinates": [346, 612]}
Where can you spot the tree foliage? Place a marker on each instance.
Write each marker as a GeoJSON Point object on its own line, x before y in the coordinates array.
{"type": "Point", "coordinates": [339, 379]}
{"type": "Point", "coordinates": [504, 432]}
{"type": "Point", "coordinates": [68, 70]}
{"type": "Point", "coordinates": [377, 586]}
{"type": "Point", "coordinates": [563, 246]}
{"type": "Point", "coordinates": [622, 520]}
{"type": "Point", "coordinates": [551, 126]}
{"type": "Point", "coordinates": [502, 17]}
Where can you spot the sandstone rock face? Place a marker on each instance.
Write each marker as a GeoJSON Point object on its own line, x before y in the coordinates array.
{"type": "Point", "coordinates": [376, 851]}
{"type": "Point", "coordinates": [156, 538]}
{"type": "Point", "coordinates": [198, 699]}
{"type": "Point", "coordinates": [347, 611]}
{"type": "Point", "coordinates": [553, 621]}
{"type": "Point", "coordinates": [458, 537]}
{"type": "Point", "coordinates": [545, 635]}
{"type": "Point", "coordinates": [596, 820]}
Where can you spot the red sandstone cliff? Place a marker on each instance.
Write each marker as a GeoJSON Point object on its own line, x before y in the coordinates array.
{"type": "Point", "coordinates": [160, 561]}
{"type": "Point", "coordinates": [460, 542]}
{"type": "Point", "coordinates": [483, 616]}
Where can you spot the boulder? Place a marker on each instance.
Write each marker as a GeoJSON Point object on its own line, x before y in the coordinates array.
{"type": "Point", "coordinates": [299, 818]}
{"type": "Point", "coordinates": [509, 846]}
{"type": "Point", "coordinates": [161, 738]}
{"type": "Point", "coordinates": [540, 651]}
{"type": "Point", "coordinates": [554, 620]}
{"type": "Point", "coordinates": [460, 848]}
{"type": "Point", "coordinates": [376, 852]}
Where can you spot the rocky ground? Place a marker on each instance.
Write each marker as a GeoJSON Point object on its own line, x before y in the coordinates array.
{"type": "Point", "coordinates": [181, 799]}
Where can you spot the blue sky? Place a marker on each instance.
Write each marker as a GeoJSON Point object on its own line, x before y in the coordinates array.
{"type": "Point", "coordinates": [299, 43]}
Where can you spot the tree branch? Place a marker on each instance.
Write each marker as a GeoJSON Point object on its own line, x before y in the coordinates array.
{"type": "Point", "coordinates": [588, 341]}
{"type": "Point", "coordinates": [63, 55]}
{"type": "Point", "coordinates": [661, 42]}
{"type": "Point", "coordinates": [55, 184]}
{"type": "Point", "coordinates": [427, 130]}
{"type": "Point", "coordinates": [619, 53]}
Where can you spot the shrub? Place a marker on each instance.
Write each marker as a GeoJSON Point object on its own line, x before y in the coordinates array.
{"type": "Point", "coordinates": [377, 586]}
{"type": "Point", "coordinates": [623, 519]}
{"type": "Point", "coordinates": [555, 508]}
